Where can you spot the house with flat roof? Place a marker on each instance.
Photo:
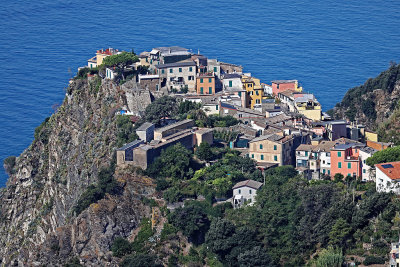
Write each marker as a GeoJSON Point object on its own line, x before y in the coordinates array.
{"type": "Point", "coordinates": [173, 128]}
{"type": "Point", "coordinates": [388, 177]}
{"type": "Point", "coordinates": [146, 132]}
{"type": "Point", "coordinates": [245, 192]}
{"type": "Point", "coordinates": [125, 153]}
{"type": "Point", "coordinates": [178, 75]}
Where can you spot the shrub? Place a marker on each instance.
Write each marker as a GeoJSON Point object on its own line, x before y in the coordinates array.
{"type": "Point", "coordinates": [9, 164]}
{"type": "Point", "coordinates": [42, 132]}
{"type": "Point", "coordinates": [369, 260]}
{"type": "Point", "coordinates": [204, 152]}
{"type": "Point", "coordinates": [141, 260]}
{"type": "Point", "coordinates": [120, 247]}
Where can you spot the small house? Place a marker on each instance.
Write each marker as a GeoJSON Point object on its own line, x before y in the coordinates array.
{"type": "Point", "coordinates": [245, 192]}
{"type": "Point", "coordinates": [146, 131]}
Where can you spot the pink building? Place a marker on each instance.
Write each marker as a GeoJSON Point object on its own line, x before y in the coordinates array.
{"type": "Point", "coordinates": [283, 85]}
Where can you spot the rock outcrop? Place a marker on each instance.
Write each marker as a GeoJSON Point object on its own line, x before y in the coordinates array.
{"type": "Point", "coordinates": [37, 225]}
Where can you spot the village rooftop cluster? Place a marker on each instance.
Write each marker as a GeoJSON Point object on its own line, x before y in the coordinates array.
{"type": "Point", "coordinates": [280, 124]}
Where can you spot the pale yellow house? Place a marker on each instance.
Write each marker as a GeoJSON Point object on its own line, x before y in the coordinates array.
{"type": "Point", "coordinates": [273, 148]}
{"type": "Point", "coordinates": [302, 103]}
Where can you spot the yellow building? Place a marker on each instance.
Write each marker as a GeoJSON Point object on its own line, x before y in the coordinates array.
{"type": "Point", "coordinates": [100, 56]}
{"type": "Point", "coordinates": [255, 91]}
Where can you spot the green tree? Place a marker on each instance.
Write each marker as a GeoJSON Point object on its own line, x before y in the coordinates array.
{"type": "Point", "coordinates": [192, 221]}
{"type": "Point", "coordinates": [204, 152]}
{"type": "Point", "coordinates": [120, 247]}
{"type": "Point", "coordinates": [338, 177]}
{"type": "Point", "coordinates": [159, 110]}
{"type": "Point", "coordinates": [121, 61]}
{"type": "Point", "coordinates": [174, 162]}
{"type": "Point", "coordinates": [340, 233]}
{"type": "Point", "coordinates": [9, 164]}
{"type": "Point", "coordinates": [387, 155]}
{"type": "Point", "coordinates": [256, 256]}
{"type": "Point", "coordinates": [329, 258]}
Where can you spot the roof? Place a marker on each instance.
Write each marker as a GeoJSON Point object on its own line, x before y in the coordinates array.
{"type": "Point", "coordinates": [284, 81]}
{"type": "Point", "coordinates": [270, 137]}
{"type": "Point", "coordinates": [249, 183]}
{"type": "Point", "coordinates": [176, 64]}
{"type": "Point", "coordinates": [173, 125]}
{"type": "Point", "coordinates": [368, 150]}
{"type": "Point", "coordinates": [134, 143]}
{"type": "Point", "coordinates": [343, 146]}
{"type": "Point", "coordinates": [170, 49]}
{"type": "Point", "coordinates": [304, 147]}
{"type": "Point", "coordinates": [204, 130]}
{"type": "Point", "coordinates": [144, 126]}
{"type": "Point", "coordinates": [390, 169]}
{"type": "Point", "coordinates": [225, 105]}
{"type": "Point", "coordinates": [232, 76]}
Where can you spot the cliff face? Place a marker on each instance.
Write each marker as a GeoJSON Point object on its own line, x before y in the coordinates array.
{"type": "Point", "coordinates": [373, 102]}
{"type": "Point", "coordinates": [37, 226]}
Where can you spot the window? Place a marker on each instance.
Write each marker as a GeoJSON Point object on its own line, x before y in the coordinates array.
{"type": "Point", "coordinates": [261, 146]}
{"type": "Point", "coordinates": [349, 165]}
{"type": "Point", "coordinates": [328, 154]}
{"type": "Point", "coordinates": [339, 165]}
{"type": "Point", "coordinates": [250, 85]}
{"type": "Point", "coordinates": [323, 171]}
{"type": "Point", "coordinates": [180, 69]}
{"type": "Point", "coordinates": [240, 191]}
{"type": "Point", "coordinates": [216, 107]}
{"type": "Point", "coordinates": [312, 163]}
{"type": "Point", "coordinates": [364, 171]}
{"type": "Point", "coordinates": [210, 80]}
{"type": "Point", "coordinates": [162, 71]}
{"type": "Point", "coordinates": [201, 90]}
{"type": "Point", "coordinates": [306, 153]}
{"type": "Point", "coordinates": [201, 80]}
{"type": "Point", "coordinates": [240, 94]}
{"type": "Point", "coordinates": [329, 172]}
{"type": "Point", "coordinates": [275, 148]}
{"type": "Point", "coordinates": [190, 68]}
{"type": "Point", "coordinates": [262, 157]}
{"type": "Point", "coordinates": [257, 101]}
{"type": "Point", "coordinates": [191, 78]}
{"type": "Point", "coordinates": [275, 158]}
{"type": "Point", "coordinates": [171, 70]}
{"type": "Point", "coordinates": [226, 111]}
{"type": "Point", "coordinates": [339, 154]}
{"type": "Point", "coordinates": [364, 161]}
{"type": "Point", "coordinates": [323, 162]}
{"type": "Point", "coordinates": [256, 92]}
{"type": "Point", "coordinates": [250, 191]}
{"type": "Point", "coordinates": [252, 156]}
{"type": "Point", "coordinates": [215, 69]}
{"type": "Point", "coordinates": [210, 90]}
{"type": "Point", "coordinates": [240, 115]}
{"type": "Point", "coordinates": [230, 83]}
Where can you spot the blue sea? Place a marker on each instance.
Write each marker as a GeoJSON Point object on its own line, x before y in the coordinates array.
{"type": "Point", "coordinates": [329, 46]}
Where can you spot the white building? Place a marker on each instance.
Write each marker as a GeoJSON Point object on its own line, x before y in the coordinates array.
{"type": "Point", "coordinates": [110, 74]}
{"type": "Point", "coordinates": [232, 82]}
{"type": "Point", "coordinates": [245, 192]}
{"type": "Point", "coordinates": [367, 173]}
{"type": "Point", "coordinates": [388, 177]}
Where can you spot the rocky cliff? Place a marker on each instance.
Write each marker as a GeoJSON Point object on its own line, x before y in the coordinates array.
{"type": "Point", "coordinates": [37, 224]}
{"type": "Point", "coordinates": [373, 102]}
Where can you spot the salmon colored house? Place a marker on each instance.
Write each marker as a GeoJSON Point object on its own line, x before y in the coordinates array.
{"type": "Point", "coordinates": [345, 160]}
{"type": "Point", "coordinates": [283, 85]}
{"type": "Point", "coordinates": [205, 84]}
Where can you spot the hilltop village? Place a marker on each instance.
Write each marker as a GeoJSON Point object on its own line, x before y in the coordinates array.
{"type": "Point", "coordinates": [279, 125]}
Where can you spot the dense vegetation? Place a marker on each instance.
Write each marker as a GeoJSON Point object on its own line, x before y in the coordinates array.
{"type": "Point", "coordinates": [179, 175]}
{"type": "Point", "coordinates": [292, 218]}
{"type": "Point", "coordinates": [387, 155]}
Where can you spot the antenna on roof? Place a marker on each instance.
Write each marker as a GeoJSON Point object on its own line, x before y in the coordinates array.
{"type": "Point", "coordinates": [198, 51]}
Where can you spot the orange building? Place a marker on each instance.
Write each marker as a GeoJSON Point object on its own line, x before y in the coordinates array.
{"type": "Point", "coordinates": [205, 84]}
{"type": "Point", "coordinates": [283, 85]}
{"type": "Point", "coordinates": [345, 160]}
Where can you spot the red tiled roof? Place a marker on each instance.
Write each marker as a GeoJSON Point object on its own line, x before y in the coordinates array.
{"type": "Point", "coordinates": [390, 169]}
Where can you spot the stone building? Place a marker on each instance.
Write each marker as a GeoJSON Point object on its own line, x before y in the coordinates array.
{"type": "Point", "coordinates": [245, 192]}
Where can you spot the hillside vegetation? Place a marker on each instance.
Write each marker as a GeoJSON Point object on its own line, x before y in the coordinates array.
{"type": "Point", "coordinates": [373, 102]}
